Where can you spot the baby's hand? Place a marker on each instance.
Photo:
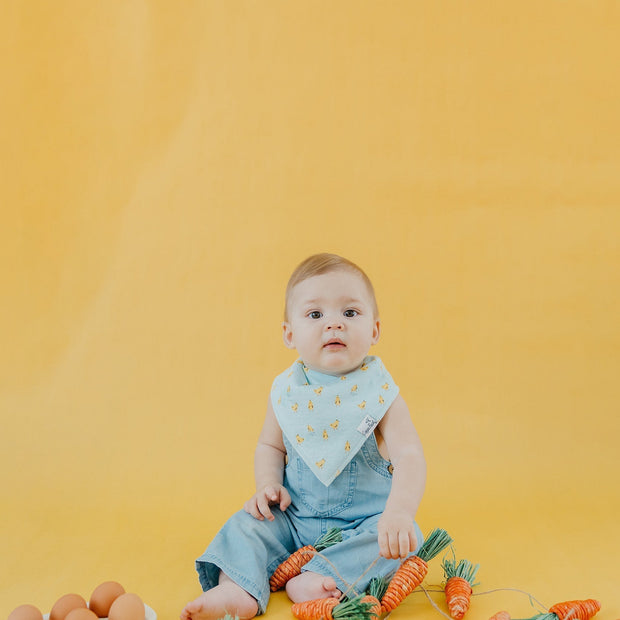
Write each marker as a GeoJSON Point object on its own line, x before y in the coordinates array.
{"type": "Point", "coordinates": [396, 534]}
{"type": "Point", "coordinates": [258, 504]}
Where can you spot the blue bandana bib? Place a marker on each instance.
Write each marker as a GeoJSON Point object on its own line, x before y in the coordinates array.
{"type": "Point", "coordinates": [328, 418]}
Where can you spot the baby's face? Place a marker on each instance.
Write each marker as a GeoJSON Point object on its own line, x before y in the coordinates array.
{"type": "Point", "coordinates": [331, 322]}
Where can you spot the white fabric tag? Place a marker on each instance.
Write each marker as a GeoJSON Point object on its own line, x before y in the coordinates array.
{"type": "Point", "coordinates": [367, 425]}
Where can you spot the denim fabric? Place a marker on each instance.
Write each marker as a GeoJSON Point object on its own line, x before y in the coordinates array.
{"type": "Point", "coordinates": [249, 551]}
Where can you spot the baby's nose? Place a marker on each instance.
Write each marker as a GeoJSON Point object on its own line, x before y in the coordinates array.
{"type": "Point", "coordinates": [334, 324]}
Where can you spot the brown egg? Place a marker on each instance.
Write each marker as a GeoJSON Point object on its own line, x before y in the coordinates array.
{"type": "Point", "coordinates": [65, 604]}
{"type": "Point", "coordinates": [25, 612]}
{"type": "Point", "coordinates": [127, 606]}
{"type": "Point", "coordinates": [103, 596]}
{"type": "Point", "coordinates": [81, 614]}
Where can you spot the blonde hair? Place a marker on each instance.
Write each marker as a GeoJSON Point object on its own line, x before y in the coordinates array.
{"type": "Point", "coordinates": [319, 264]}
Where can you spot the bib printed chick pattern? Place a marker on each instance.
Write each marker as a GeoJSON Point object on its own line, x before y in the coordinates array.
{"type": "Point", "coordinates": [328, 418]}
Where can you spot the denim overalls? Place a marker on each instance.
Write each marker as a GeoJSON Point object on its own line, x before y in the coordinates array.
{"type": "Point", "coordinates": [249, 550]}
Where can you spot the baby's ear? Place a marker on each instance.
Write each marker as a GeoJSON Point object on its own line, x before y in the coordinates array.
{"type": "Point", "coordinates": [287, 335]}
{"type": "Point", "coordinates": [376, 331]}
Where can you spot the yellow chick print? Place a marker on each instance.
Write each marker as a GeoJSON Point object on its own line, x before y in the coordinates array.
{"type": "Point", "coordinates": [347, 447]}
{"type": "Point", "coordinates": [280, 400]}
{"type": "Point", "coordinates": [305, 369]}
{"type": "Point", "coordinates": [364, 367]}
{"type": "Point", "coordinates": [310, 429]}
{"type": "Point", "coordinates": [381, 399]}
{"type": "Point", "coordinates": [299, 438]}
{"type": "Point", "coordinates": [294, 407]}
{"type": "Point", "coordinates": [343, 378]}
{"type": "Point", "coordinates": [354, 388]}
{"type": "Point", "coordinates": [318, 390]}
{"type": "Point", "coordinates": [362, 405]}
{"type": "Point", "coordinates": [310, 405]}
{"type": "Point", "coordinates": [335, 424]}
{"type": "Point", "coordinates": [337, 401]}
{"type": "Point", "coordinates": [288, 389]}
{"type": "Point", "coordinates": [325, 435]}
{"type": "Point", "coordinates": [320, 463]}
{"type": "Point", "coordinates": [385, 386]}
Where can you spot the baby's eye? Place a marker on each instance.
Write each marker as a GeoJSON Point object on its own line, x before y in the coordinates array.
{"type": "Point", "coordinates": [350, 313]}
{"type": "Point", "coordinates": [315, 314]}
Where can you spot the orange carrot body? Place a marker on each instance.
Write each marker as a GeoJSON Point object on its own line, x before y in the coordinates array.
{"type": "Point", "coordinates": [458, 596]}
{"type": "Point", "coordinates": [408, 577]}
{"type": "Point", "coordinates": [376, 604]}
{"type": "Point", "coordinates": [317, 609]}
{"type": "Point", "coordinates": [576, 610]}
{"type": "Point", "coordinates": [500, 615]}
{"type": "Point", "coordinates": [291, 567]}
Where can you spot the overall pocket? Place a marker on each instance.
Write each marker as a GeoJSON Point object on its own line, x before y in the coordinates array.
{"type": "Point", "coordinates": [324, 501]}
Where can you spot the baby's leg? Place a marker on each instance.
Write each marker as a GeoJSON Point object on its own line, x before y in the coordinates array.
{"type": "Point", "coordinates": [309, 586]}
{"type": "Point", "coordinates": [226, 597]}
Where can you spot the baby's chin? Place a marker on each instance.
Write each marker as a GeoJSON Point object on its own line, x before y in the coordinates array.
{"type": "Point", "coordinates": [337, 367]}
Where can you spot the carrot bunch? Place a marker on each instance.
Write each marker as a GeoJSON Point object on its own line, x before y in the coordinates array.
{"type": "Point", "coordinates": [459, 583]}
{"type": "Point", "coordinates": [569, 610]}
{"type": "Point", "coordinates": [334, 609]}
{"type": "Point", "coordinates": [412, 571]}
{"type": "Point", "coordinates": [291, 567]}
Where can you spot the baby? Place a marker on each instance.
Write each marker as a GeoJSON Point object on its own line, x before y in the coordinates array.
{"type": "Point", "coordinates": [337, 449]}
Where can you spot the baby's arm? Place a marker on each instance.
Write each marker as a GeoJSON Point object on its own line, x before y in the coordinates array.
{"type": "Point", "coordinates": [268, 470]}
{"type": "Point", "coordinates": [396, 530]}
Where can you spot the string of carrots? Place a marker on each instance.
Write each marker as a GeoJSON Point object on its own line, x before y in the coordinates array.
{"type": "Point", "coordinates": [382, 597]}
{"type": "Point", "coordinates": [291, 567]}
{"type": "Point", "coordinates": [459, 585]}
{"type": "Point", "coordinates": [568, 610]}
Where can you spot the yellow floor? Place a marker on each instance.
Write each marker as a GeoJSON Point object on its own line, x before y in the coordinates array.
{"type": "Point", "coordinates": [553, 552]}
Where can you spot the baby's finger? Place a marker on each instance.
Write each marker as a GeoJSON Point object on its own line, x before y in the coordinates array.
{"type": "Point", "coordinates": [251, 508]}
{"type": "Point", "coordinates": [384, 549]}
{"type": "Point", "coordinates": [285, 499]}
{"type": "Point", "coordinates": [270, 494]}
{"type": "Point", "coordinates": [403, 544]}
{"type": "Point", "coordinates": [413, 542]}
{"type": "Point", "coordinates": [394, 546]}
{"type": "Point", "coordinates": [263, 507]}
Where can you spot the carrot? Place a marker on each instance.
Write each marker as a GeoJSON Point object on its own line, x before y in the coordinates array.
{"type": "Point", "coordinates": [291, 567]}
{"type": "Point", "coordinates": [576, 610]}
{"type": "Point", "coordinates": [459, 583]}
{"type": "Point", "coordinates": [333, 609]}
{"type": "Point", "coordinates": [316, 609]}
{"type": "Point", "coordinates": [412, 571]}
{"type": "Point", "coordinates": [374, 604]}
{"type": "Point", "coordinates": [374, 594]}
{"type": "Point", "coordinates": [570, 610]}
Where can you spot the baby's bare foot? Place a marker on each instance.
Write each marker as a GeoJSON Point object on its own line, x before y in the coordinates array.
{"type": "Point", "coordinates": [225, 598]}
{"type": "Point", "coordinates": [309, 586]}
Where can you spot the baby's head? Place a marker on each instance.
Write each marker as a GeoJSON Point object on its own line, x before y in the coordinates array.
{"type": "Point", "coordinates": [330, 314]}
{"type": "Point", "coordinates": [319, 264]}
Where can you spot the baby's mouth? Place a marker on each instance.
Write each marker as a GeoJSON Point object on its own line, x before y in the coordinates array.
{"type": "Point", "coordinates": [334, 344]}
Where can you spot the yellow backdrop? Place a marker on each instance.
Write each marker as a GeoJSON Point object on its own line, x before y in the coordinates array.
{"type": "Point", "coordinates": [165, 166]}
